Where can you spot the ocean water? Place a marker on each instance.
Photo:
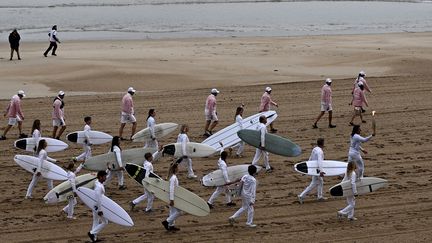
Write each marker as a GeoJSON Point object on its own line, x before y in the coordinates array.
{"type": "Point", "coordinates": [155, 19]}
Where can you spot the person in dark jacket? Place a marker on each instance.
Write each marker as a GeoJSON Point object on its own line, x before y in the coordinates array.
{"type": "Point", "coordinates": [14, 39]}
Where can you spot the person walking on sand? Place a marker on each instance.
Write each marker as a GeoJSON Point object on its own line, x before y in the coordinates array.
{"type": "Point", "coordinates": [14, 40]}
{"type": "Point", "coordinates": [361, 78]}
{"type": "Point", "coordinates": [262, 128]}
{"type": "Point", "coordinates": [210, 113]}
{"type": "Point", "coordinates": [184, 139]}
{"type": "Point", "coordinates": [58, 116]}
{"type": "Point", "coordinates": [151, 123]}
{"type": "Point", "coordinates": [127, 112]}
{"type": "Point", "coordinates": [355, 149]}
{"type": "Point", "coordinates": [239, 120]}
{"type": "Point", "coordinates": [350, 176]}
{"type": "Point", "coordinates": [174, 213]}
{"type": "Point", "coordinates": [14, 113]}
{"type": "Point", "coordinates": [326, 103]}
{"type": "Point", "coordinates": [99, 221]}
{"type": "Point", "coordinates": [115, 148]}
{"type": "Point", "coordinates": [87, 142]}
{"type": "Point", "coordinates": [358, 99]}
{"type": "Point", "coordinates": [266, 101]}
{"type": "Point", "coordinates": [223, 167]}
{"type": "Point", "coordinates": [248, 185]}
{"type": "Point", "coordinates": [317, 181]}
{"type": "Point", "coordinates": [36, 134]}
{"type": "Point", "coordinates": [53, 41]}
{"type": "Point", "coordinates": [71, 175]}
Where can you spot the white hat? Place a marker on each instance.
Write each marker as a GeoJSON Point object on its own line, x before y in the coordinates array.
{"type": "Point", "coordinates": [21, 92]}
{"type": "Point", "coordinates": [362, 73]}
{"type": "Point", "coordinates": [214, 91]}
{"type": "Point", "coordinates": [360, 83]}
{"type": "Point", "coordinates": [268, 89]}
{"type": "Point", "coordinates": [60, 93]}
{"type": "Point", "coordinates": [131, 89]}
{"type": "Point", "coordinates": [328, 80]}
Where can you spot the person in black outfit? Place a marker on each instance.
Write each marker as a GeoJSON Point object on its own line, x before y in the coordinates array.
{"type": "Point", "coordinates": [53, 41]}
{"type": "Point", "coordinates": [14, 39]}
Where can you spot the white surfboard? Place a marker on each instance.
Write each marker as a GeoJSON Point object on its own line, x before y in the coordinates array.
{"type": "Point", "coordinates": [184, 199]}
{"type": "Point", "coordinates": [29, 144]}
{"type": "Point", "coordinates": [235, 173]}
{"type": "Point", "coordinates": [134, 156]}
{"type": "Point", "coordinates": [111, 210]}
{"type": "Point", "coordinates": [96, 137]}
{"type": "Point", "coordinates": [330, 167]}
{"type": "Point", "coordinates": [364, 185]}
{"type": "Point", "coordinates": [161, 130]}
{"type": "Point", "coordinates": [49, 170]}
{"type": "Point", "coordinates": [193, 150]}
{"type": "Point", "coordinates": [228, 136]}
{"type": "Point", "coordinates": [63, 191]}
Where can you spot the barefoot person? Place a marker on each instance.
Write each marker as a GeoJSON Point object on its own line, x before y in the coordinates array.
{"type": "Point", "coordinates": [211, 113]}
{"type": "Point", "coordinates": [53, 41]}
{"type": "Point", "coordinates": [357, 101]}
{"type": "Point", "coordinates": [99, 221]}
{"type": "Point", "coordinates": [127, 112]}
{"type": "Point", "coordinates": [266, 102]}
{"type": "Point", "coordinates": [355, 149]}
{"type": "Point", "coordinates": [14, 113]}
{"type": "Point", "coordinates": [350, 176]}
{"type": "Point", "coordinates": [14, 40]}
{"type": "Point", "coordinates": [58, 116]}
{"type": "Point", "coordinates": [326, 103]}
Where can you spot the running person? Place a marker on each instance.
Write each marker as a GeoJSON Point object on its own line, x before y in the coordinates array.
{"type": "Point", "coordinates": [53, 41]}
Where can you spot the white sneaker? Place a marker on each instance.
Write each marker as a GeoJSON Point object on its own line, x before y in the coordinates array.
{"type": "Point", "coordinates": [192, 176]}
{"type": "Point", "coordinates": [352, 219]}
{"type": "Point", "coordinates": [322, 199]}
{"type": "Point", "coordinates": [231, 221]}
{"type": "Point", "coordinates": [28, 197]}
{"type": "Point", "coordinates": [251, 225]}
{"type": "Point", "coordinates": [300, 199]}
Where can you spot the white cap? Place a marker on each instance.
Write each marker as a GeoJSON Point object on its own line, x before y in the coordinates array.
{"type": "Point", "coordinates": [360, 83]}
{"type": "Point", "coordinates": [21, 92]}
{"type": "Point", "coordinates": [214, 91]}
{"type": "Point", "coordinates": [61, 93]}
{"type": "Point", "coordinates": [268, 89]}
{"type": "Point", "coordinates": [328, 80]}
{"type": "Point", "coordinates": [362, 73]}
{"type": "Point", "coordinates": [131, 89]}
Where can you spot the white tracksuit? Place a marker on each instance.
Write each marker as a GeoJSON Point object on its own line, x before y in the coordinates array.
{"type": "Point", "coordinates": [148, 166]}
{"type": "Point", "coordinates": [317, 181]}
{"type": "Point", "coordinates": [69, 209]}
{"type": "Point", "coordinates": [151, 123]}
{"type": "Point", "coordinates": [42, 157]}
{"type": "Point", "coordinates": [240, 145]}
{"type": "Point", "coordinates": [354, 152]}
{"type": "Point", "coordinates": [99, 222]}
{"type": "Point", "coordinates": [36, 135]}
{"type": "Point", "coordinates": [222, 166]}
{"type": "Point", "coordinates": [117, 172]}
{"type": "Point", "coordinates": [248, 194]}
{"type": "Point", "coordinates": [87, 145]}
{"type": "Point", "coordinates": [174, 212]}
{"type": "Point", "coordinates": [184, 139]}
{"type": "Point", "coordinates": [263, 129]}
{"type": "Point", "coordinates": [349, 209]}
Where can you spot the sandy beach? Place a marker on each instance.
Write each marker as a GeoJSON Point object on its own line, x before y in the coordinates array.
{"type": "Point", "coordinates": [175, 77]}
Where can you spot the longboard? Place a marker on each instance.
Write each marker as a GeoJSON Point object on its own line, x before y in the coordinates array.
{"type": "Point", "coordinates": [99, 162]}
{"type": "Point", "coordinates": [192, 150]}
{"type": "Point", "coordinates": [228, 136]}
{"type": "Point", "coordinates": [48, 171]}
{"type": "Point", "coordinates": [111, 210]}
{"type": "Point", "coordinates": [96, 137]}
{"type": "Point", "coordinates": [330, 167]}
{"type": "Point", "coordinates": [161, 130]}
{"type": "Point", "coordinates": [364, 185]}
{"type": "Point", "coordinates": [274, 144]}
{"type": "Point", "coordinates": [184, 199]}
{"type": "Point", "coordinates": [29, 144]}
{"type": "Point", "coordinates": [137, 172]}
{"type": "Point", "coordinates": [63, 191]}
{"type": "Point", "coordinates": [235, 173]}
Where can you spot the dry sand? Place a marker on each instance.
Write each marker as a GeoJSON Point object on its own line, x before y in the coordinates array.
{"type": "Point", "coordinates": [174, 76]}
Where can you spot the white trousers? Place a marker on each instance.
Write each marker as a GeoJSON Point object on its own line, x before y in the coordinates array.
{"type": "Point", "coordinates": [118, 173]}
{"type": "Point", "coordinates": [188, 163]}
{"type": "Point", "coordinates": [99, 222]}
{"type": "Point", "coordinates": [258, 153]}
{"type": "Point", "coordinates": [33, 183]}
{"type": "Point", "coordinates": [349, 209]}
{"type": "Point", "coordinates": [151, 144]}
{"type": "Point", "coordinates": [147, 195]}
{"type": "Point", "coordinates": [86, 154]}
{"type": "Point", "coordinates": [174, 213]}
{"type": "Point", "coordinates": [356, 157]}
{"type": "Point", "coordinates": [239, 146]}
{"type": "Point", "coordinates": [246, 205]}
{"type": "Point", "coordinates": [218, 191]}
{"type": "Point", "coordinates": [69, 209]}
{"type": "Point", "coordinates": [318, 182]}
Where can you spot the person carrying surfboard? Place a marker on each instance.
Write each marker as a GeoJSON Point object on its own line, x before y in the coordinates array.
{"type": "Point", "coordinates": [223, 167]}
{"type": "Point", "coordinates": [358, 99]}
{"type": "Point", "coordinates": [58, 116]}
{"type": "Point", "coordinates": [239, 120]}
{"type": "Point", "coordinates": [15, 114]}
{"type": "Point", "coordinates": [184, 139]}
{"type": "Point", "coordinates": [326, 103]}
{"type": "Point", "coordinates": [350, 175]}
{"type": "Point", "coordinates": [317, 181]}
{"type": "Point", "coordinates": [210, 113]}
{"type": "Point", "coordinates": [87, 143]}
{"type": "Point", "coordinates": [42, 155]}
{"type": "Point", "coordinates": [261, 150]}
{"type": "Point", "coordinates": [248, 185]}
{"type": "Point", "coordinates": [127, 112]}
{"type": "Point", "coordinates": [69, 209]}
{"type": "Point", "coordinates": [151, 123]}
{"type": "Point", "coordinates": [115, 148]}
{"type": "Point", "coordinates": [148, 167]}
{"type": "Point", "coordinates": [36, 134]}
{"type": "Point", "coordinates": [266, 102]}
{"type": "Point", "coordinates": [99, 221]}
{"type": "Point", "coordinates": [174, 212]}
{"type": "Point", "coordinates": [355, 149]}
